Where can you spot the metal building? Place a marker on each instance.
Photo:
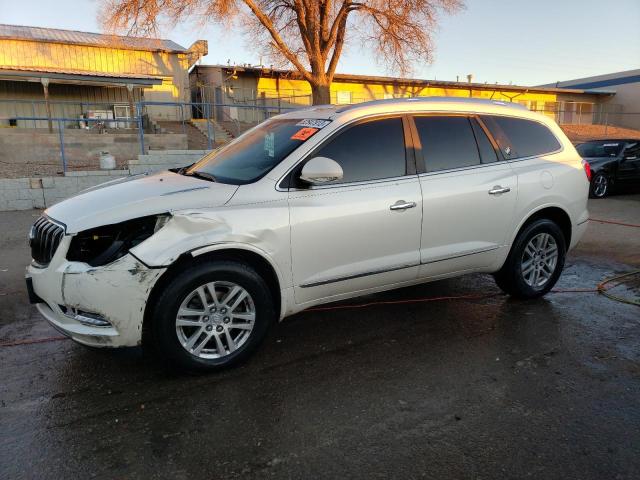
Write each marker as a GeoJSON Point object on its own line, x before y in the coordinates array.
{"type": "Point", "coordinates": [64, 73]}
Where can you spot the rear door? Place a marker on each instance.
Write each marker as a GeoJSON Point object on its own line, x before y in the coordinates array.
{"type": "Point", "coordinates": [469, 194]}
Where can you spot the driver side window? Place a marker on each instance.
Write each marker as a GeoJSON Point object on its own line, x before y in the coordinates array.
{"type": "Point", "coordinates": [372, 150]}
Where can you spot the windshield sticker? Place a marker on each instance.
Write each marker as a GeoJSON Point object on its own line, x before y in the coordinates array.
{"type": "Point", "coordinates": [611, 144]}
{"type": "Point", "coordinates": [270, 144]}
{"type": "Point", "coordinates": [313, 122]}
{"type": "Point", "coordinates": [303, 133]}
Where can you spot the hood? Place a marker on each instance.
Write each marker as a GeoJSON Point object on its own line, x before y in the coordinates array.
{"type": "Point", "coordinates": [138, 196]}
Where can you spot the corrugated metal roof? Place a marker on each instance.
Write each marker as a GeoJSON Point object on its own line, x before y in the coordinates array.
{"type": "Point", "coordinates": [55, 35]}
{"type": "Point", "coordinates": [75, 74]}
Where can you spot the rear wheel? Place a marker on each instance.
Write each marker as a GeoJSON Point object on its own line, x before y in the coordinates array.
{"type": "Point", "coordinates": [535, 261]}
{"type": "Point", "coordinates": [599, 186]}
{"type": "Point", "coordinates": [212, 316]}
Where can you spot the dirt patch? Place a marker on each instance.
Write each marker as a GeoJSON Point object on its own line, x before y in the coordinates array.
{"type": "Point", "coordinates": [583, 133]}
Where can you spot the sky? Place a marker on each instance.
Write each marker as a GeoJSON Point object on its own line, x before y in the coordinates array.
{"type": "Point", "coordinates": [522, 42]}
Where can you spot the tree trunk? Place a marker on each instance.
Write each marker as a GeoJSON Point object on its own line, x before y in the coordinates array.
{"type": "Point", "coordinates": [320, 94]}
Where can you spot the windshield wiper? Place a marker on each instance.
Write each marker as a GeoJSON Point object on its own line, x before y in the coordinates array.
{"type": "Point", "coordinates": [181, 170]}
{"type": "Point", "coordinates": [201, 175]}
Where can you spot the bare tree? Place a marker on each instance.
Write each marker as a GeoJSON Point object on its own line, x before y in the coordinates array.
{"type": "Point", "coordinates": [309, 34]}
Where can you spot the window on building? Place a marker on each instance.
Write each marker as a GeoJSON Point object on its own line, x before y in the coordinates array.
{"type": "Point", "coordinates": [519, 138]}
{"type": "Point", "coordinates": [447, 142]}
{"type": "Point", "coordinates": [369, 151]}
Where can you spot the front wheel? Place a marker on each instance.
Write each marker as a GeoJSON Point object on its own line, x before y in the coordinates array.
{"type": "Point", "coordinates": [599, 186]}
{"type": "Point", "coordinates": [535, 261]}
{"type": "Point", "coordinates": [212, 315]}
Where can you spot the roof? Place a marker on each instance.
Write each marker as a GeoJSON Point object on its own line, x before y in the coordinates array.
{"type": "Point", "coordinates": [375, 79]}
{"type": "Point", "coordinates": [55, 35]}
{"type": "Point", "coordinates": [601, 81]}
{"type": "Point", "coordinates": [73, 75]}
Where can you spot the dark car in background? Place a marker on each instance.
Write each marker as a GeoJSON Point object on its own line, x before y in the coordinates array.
{"type": "Point", "coordinates": [613, 163]}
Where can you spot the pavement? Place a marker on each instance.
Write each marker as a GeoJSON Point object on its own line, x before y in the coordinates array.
{"type": "Point", "coordinates": [467, 389]}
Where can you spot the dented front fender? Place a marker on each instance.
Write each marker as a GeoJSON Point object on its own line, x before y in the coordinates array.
{"type": "Point", "coordinates": [261, 228]}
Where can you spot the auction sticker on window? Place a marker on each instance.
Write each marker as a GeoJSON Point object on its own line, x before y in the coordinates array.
{"type": "Point", "coordinates": [270, 144]}
{"type": "Point", "coordinates": [304, 133]}
{"type": "Point", "coordinates": [313, 123]}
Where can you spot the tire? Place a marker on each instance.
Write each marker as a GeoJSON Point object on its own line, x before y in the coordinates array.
{"type": "Point", "coordinates": [233, 333]}
{"type": "Point", "coordinates": [600, 186]}
{"type": "Point", "coordinates": [516, 277]}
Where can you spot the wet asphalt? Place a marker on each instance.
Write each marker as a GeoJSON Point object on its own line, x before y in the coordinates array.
{"type": "Point", "coordinates": [477, 388]}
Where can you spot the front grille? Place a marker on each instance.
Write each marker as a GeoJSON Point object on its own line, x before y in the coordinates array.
{"type": "Point", "coordinates": [44, 238]}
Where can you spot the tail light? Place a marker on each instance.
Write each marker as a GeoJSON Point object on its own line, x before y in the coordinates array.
{"type": "Point", "coordinates": [587, 169]}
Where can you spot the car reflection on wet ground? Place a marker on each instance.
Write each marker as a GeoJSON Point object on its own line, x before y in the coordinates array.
{"type": "Point", "coordinates": [478, 387]}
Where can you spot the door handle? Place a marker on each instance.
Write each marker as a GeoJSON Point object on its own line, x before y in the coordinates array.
{"type": "Point", "coordinates": [497, 190]}
{"type": "Point", "coordinates": [402, 205]}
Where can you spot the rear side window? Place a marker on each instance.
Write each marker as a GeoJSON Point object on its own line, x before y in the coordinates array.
{"type": "Point", "coordinates": [447, 142]}
{"type": "Point", "coordinates": [519, 138]}
{"type": "Point", "coordinates": [369, 151]}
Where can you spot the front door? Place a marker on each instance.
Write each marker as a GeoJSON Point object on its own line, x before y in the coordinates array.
{"type": "Point", "coordinates": [469, 195]}
{"type": "Point", "coordinates": [629, 168]}
{"type": "Point", "coordinates": [363, 231]}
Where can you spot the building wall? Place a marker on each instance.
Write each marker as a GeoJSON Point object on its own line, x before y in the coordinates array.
{"type": "Point", "coordinates": [629, 96]}
{"type": "Point", "coordinates": [172, 68]}
{"type": "Point", "coordinates": [271, 95]}
{"type": "Point", "coordinates": [626, 86]}
{"type": "Point", "coordinates": [351, 92]}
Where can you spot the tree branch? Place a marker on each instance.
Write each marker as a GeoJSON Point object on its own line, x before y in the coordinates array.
{"type": "Point", "coordinates": [268, 24]}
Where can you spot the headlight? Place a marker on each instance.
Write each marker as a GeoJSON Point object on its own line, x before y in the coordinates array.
{"type": "Point", "coordinates": [101, 245]}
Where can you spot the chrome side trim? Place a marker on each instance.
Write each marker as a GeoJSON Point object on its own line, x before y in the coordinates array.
{"type": "Point", "coordinates": [357, 275]}
{"type": "Point", "coordinates": [484, 250]}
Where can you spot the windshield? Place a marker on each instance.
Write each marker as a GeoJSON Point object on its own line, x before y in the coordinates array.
{"type": "Point", "coordinates": [256, 152]}
{"type": "Point", "coordinates": [600, 149]}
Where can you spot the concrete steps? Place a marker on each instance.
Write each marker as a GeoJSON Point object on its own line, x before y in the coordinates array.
{"type": "Point", "coordinates": [220, 134]}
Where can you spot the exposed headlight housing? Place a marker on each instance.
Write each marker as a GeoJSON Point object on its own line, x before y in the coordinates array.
{"type": "Point", "coordinates": [101, 245]}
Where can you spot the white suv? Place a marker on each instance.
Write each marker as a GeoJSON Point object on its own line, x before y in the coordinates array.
{"type": "Point", "coordinates": [310, 207]}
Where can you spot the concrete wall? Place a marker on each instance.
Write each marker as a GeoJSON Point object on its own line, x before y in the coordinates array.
{"type": "Point", "coordinates": [28, 193]}
{"type": "Point", "coordinates": [159, 161]}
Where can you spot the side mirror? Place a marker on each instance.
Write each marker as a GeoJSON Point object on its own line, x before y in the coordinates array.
{"type": "Point", "coordinates": [321, 170]}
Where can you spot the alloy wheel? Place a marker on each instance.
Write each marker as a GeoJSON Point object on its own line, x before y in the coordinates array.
{"type": "Point", "coordinates": [600, 186]}
{"type": "Point", "coordinates": [539, 260]}
{"type": "Point", "coordinates": [215, 319]}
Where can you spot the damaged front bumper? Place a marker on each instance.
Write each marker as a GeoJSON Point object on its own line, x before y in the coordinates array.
{"type": "Point", "coordinates": [97, 306]}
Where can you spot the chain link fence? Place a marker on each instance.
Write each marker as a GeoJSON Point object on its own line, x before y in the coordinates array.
{"type": "Point", "coordinates": [34, 143]}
